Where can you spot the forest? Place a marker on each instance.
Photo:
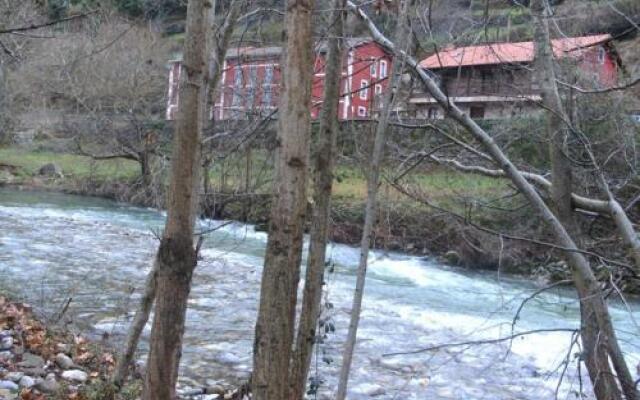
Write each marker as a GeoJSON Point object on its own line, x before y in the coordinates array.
{"type": "Point", "coordinates": [331, 199]}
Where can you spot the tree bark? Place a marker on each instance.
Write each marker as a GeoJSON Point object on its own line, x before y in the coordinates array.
{"type": "Point", "coordinates": [322, 185]}
{"type": "Point", "coordinates": [176, 258]}
{"type": "Point", "coordinates": [584, 279]}
{"type": "Point", "coordinates": [595, 337]}
{"type": "Point", "coordinates": [278, 294]}
{"type": "Point", "coordinates": [148, 297]}
{"type": "Point", "coordinates": [135, 330]}
{"type": "Point", "coordinates": [373, 181]}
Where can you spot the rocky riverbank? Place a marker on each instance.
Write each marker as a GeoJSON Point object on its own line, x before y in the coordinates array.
{"type": "Point", "coordinates": [46, 362]}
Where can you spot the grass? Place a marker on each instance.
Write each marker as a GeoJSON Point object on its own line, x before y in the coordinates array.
{"type": "Point", "coordinates": [445, 187]}
{"type": "Point", "coordinates": [73, 166]}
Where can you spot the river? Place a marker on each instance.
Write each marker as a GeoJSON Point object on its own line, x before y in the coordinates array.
{"type": "Point", "coordinates": [55, 246]}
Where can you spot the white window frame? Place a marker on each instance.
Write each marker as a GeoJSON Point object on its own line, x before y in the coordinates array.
{"type": "Point", "coordinates": [362, 111]}
{"type": "Point", "coordinates": [377, 89]}
{"type": "Point", "coordinates": [373, 69]}
{"type": "Point", "coordinates": [383, 68]}
{"type": "Point", "coordinates": [364, 89]}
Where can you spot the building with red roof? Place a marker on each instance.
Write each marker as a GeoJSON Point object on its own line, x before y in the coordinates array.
{"type": "Point", "coordinates": [251, 77]}
{"type": "Point", "coordinates": [496, 80]}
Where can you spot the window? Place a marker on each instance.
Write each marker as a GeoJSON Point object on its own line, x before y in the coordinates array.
{"type": "Point", "coordinates": [383, 69]}
{"type": "Point", "coordinates": [364, 89]}
{"type": "Point", "coordinates": [373, 69]}
{"type": "Point", "coordinates": [433, 113]}
{"type": "Point", "coordinates": [237, 87]}
{"type": "Point", "coordinates": [378, 89]}
{"type": "Point", "coordinates": [476, 112]}
{"type": "Point", "coordinates": [251, 85]}
{"type": "Point", "coordinates": [362, 111]}
{"type": "Point", "coordinates": [601, 55]}
{"type": "Point", "coordinates": [266, 86]}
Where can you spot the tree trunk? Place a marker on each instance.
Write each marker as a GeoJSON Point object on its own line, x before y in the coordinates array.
{"type": "Point", "coordinates": [136, 328]}
{"type": "Point", "coordinates": [595, 338]}
{"type": "Point", "coordinates": [278, 295]}
{"type": "Point", "coordinates": [322, 184]}
{"type": "Point", "coordinates": [373, 180]}
{"type": "Point", "coordinates": [146, 302]}
{"type": "Point", "coordinates": [176, 257]}
{"type": "Point", "coordinates": [584, 279]}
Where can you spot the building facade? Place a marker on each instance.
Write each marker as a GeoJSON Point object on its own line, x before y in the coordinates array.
{"type": "Point", "coordinates": [251, 78]}
{"type": "Point", "coordinates": [497, 81]}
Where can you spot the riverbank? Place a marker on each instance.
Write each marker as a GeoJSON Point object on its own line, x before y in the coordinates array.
{"type": "Point", "coordinates": [403, 224]}
{"type": "Point", "coordinates": [43, 360]}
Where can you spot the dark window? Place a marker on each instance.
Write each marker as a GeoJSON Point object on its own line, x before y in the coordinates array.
{"type": "Point", "coordinates": [477, 112]}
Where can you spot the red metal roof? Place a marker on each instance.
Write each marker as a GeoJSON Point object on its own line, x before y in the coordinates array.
{"type": "Point", "coordinates": [506, 53]}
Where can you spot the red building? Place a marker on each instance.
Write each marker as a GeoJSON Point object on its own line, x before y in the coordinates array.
{"type": "Point", "coordinates": [250, 82]}
{"type": "Point", "coordinates": [497, 80]}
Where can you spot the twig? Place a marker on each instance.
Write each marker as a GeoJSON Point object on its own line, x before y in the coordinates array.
{"type": "Point", "coordinates": [45, 24]}
{"type": "Point", "coordinates": [478, 342]}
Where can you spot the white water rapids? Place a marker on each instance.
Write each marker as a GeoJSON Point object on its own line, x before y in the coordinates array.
{"type": "Point", "coordinates": [55, 246]}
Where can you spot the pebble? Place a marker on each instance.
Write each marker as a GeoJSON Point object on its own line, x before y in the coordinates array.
{"type": "Point", "coordinates": [6, 394]}
{"type": "Point", "coordinates": [31, 361]}
{"type": "Point", "coordinates": [34, 371]}
{"type": "Point", "coordinates": [64, 348]}
{"type": "Point", "coordinates": [6, 355]}
{"type": "Point", "coordinates": [14, 376]}
{"type": "Point", "coordinates": [75, 375]}
{"type": "Point", "coordinates": [47, 385]}
{"type": "Point", "coordinates": [27, 382]}
{"type": "Point", "coordinates": [6, 343]}
{"type": "Point", "coordinates": [10, 385]}
{"type": "Point", "coordinates": [64, 361]}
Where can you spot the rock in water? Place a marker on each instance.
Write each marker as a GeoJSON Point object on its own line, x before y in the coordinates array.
{"type": "Point", "coordinates": [64, 361]}
{"type": "Point", "coordinates": [75, 375]}
{"type": "Point", "coordinates": [378, 391]}
{"type": "Point", "coordinates": [452, 257]}
{"type": "Point", "coordinates": [50, 169]}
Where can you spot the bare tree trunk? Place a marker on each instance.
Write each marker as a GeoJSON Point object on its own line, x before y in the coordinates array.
{"type": "Point", "coordinates": [148, 297]}
{"type": "Point", "coordinates": [176, 258]}
{"type": "Point", "coordinates": [373, 181]}
{"type": "Point", "coordinates": [322, 185]}
{"type": "Point", "coordinates": [278, 294]}
{"type": "Point", "coordinates": [584, 279]}
{"type": "Point", "coordinates": [136, 328]}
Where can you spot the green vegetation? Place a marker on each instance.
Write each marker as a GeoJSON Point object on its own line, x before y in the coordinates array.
{"type": "Point", "coordinates": [350, 183]}
{"type": "Point", "coordinates": [73, 166]}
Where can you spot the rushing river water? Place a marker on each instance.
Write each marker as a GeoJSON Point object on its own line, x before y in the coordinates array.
{"type": "Point", "coordinates": [98, 252]}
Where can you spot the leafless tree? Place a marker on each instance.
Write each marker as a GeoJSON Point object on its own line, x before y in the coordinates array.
{"type": "Point", "coordinates": [274, 334]}
{"type": "Point", "coordinates": [177, 256]}
{"type": "Point", "coordinates": [323, 164]}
